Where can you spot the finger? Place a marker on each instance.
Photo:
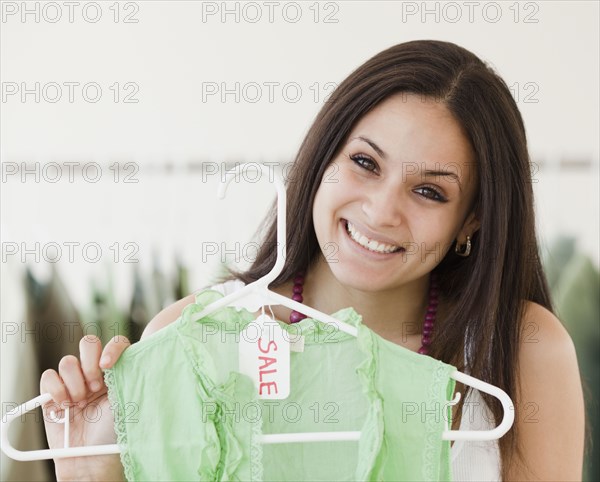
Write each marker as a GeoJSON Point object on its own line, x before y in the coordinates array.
{"type": "Point", "coordinates": [51, 383]}
{"type": "Point", "coordinates": [90, 348]}
{"type": "Point", "coordinates": [72, 376]}
{"type": "Point", "coordinates": [113, 350]}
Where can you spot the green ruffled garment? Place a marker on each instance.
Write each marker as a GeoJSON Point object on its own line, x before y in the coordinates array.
{"type": "Point", "coordinates": [183, 412]}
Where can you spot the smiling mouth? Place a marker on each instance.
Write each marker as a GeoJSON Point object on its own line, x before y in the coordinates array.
{"type": "Point", "coordinates": [365, 242]}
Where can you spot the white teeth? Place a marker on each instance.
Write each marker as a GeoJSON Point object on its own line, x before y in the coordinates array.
{"type": "Point", "coordinates": [369, 243]}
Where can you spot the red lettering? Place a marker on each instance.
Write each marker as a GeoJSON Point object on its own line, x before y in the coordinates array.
{"type": "Point", "coordinates": [268, 361]}
{"type": "Point", "coordinates": [268, 385]}
{"type": "Point", "coordinates": [261, 373]}
{"type": "Point", "coordinates": [272, 342]}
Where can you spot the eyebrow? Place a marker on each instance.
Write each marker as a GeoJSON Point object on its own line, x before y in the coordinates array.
{"type": "Point", "coordinates": [427, 173]}
{"type": "Point", "coordinates": [375, 147]}
{"type": "Point", "coordinates": [444, 174]}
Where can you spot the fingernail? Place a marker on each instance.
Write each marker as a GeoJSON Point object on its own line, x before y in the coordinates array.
{"type": "Point", "coordinates": [95, 386]}
{"type": "Point", "coordinates": [105, 360]}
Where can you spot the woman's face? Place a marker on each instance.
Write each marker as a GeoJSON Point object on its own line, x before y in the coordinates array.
{"type": "Point", "coordinates": [404, 180]}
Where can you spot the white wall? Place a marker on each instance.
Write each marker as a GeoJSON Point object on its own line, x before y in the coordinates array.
{"type": "Point", "coordinates": [549, 54]}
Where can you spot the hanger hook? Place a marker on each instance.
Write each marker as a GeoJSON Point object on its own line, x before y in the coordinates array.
{"type": "Point", "coordinates": [281, 213]}
{"type": "Point", "coordinates": [455, 400]}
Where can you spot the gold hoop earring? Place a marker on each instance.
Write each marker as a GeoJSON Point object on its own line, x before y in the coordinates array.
{"type": "Point", "coordinates": [464, 253]}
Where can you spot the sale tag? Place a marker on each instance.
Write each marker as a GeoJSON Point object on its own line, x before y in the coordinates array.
{"type": "Point", "coordinates": [264, 356]}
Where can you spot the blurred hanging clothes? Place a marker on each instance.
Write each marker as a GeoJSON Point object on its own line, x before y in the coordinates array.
{"type": "Point", "coordinates": [53, 322]}
{"type": "Point", "coordinates": [19, 379]}
{"type": "Point", "coordinates": [103, 317]}
{"type": "Point", "coordinates": [575, 285]}
{"type": "Point", "coordinates": [151, 294]}
{"type": "Point", "coordinates": [53, 327]}
{"type": "Point", "coordinates": [139, 313]}
{"type": "Point", "coordinates": [182, 287]}
{"type": "Point", "coordinates": [161, 288]}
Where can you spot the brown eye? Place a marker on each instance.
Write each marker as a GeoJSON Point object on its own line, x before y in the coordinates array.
{"type": "Point", "coordinates": [432, 193]}
{"type": "Point", "coordinates": [364, 161]}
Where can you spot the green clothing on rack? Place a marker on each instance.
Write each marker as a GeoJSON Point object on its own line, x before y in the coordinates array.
{"type": "Point", "coordinates": [183, 411]}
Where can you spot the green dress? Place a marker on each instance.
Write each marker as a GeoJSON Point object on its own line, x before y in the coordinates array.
{"type": "Point", "coordinates": [184, 412]}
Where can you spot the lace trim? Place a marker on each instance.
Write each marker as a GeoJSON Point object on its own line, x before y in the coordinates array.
{"type": "Point", "coordinates": [256, 454]}
{"type": "Point", "coordinates": [119, 415]}
{"type": "Point", "coordinates": [371, 437]}
{"type": "Point", "coordinates": [432, 457]}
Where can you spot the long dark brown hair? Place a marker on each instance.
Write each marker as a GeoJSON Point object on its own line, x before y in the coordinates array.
{"type": "Point", "coordinates": [485, 291]}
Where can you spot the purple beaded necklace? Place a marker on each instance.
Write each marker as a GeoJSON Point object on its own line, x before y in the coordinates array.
{"type": "Point", "coordinates": [295, 316]}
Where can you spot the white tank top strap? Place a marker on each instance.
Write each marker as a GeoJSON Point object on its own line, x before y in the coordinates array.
{"type": "Point", "coordinates": [228, 287]}
{"type": "Point", "coordinates": [476, 460]}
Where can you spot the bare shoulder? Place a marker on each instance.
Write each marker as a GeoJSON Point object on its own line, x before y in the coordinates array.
{"type": "Point", "coordinates": [549, 406]}
{"type": "Point", "coordinates": [167, 316]}
{"type": "Point", "coordinates": [541, 325]}
{"type": "Point", "coordinates": [547, 353]}
{"type": "Point", "coordinates": [547, 357]}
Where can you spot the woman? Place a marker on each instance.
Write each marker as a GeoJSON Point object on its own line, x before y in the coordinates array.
{"type": "Point", "coordinates": [416, 166]}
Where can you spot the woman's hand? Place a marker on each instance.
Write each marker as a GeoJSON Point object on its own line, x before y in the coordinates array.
{"type": "Point", "coordinates": [80, 385]}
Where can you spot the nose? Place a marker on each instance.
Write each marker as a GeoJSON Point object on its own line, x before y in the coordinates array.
{"type": "Point", "coordinates": [383, 205]}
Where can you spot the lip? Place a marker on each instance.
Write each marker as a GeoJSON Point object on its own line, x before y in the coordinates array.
{"type": "Point", "coordinates": [364, 251]}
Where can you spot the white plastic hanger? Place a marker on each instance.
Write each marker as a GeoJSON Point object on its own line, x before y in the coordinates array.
{"type": "Point", "coordinates": [259, 294]}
